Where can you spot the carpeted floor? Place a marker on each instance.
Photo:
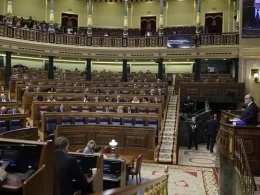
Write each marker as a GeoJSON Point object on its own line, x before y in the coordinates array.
{"type": "Point", "coordinates": [198, 158]}
{"type": "Point", "coordinates": [183, 180]}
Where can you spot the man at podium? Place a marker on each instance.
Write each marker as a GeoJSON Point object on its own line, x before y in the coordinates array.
{"type": "Point", "coordinates": [250, 114]}
{"type": "Point", "coordinates": [251, 16]}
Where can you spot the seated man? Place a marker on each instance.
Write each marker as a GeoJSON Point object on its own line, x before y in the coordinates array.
{"type": "Point", "coordinates": [250, 114]}
{"type": "Point", "coordinates": [59, 108]}
{"type": "Point", "coordinates": [3, 175]}
{"type": "Point", "coordinates": [188, 105]}
{"type": "Point", "coordinates": [3, 110]}
{"type": "Point", "coordinates": [68, 171]}
{"type": "Point", "coordinates": [14, 110]}
{"type": "Point", "coordinates": [3, 98]}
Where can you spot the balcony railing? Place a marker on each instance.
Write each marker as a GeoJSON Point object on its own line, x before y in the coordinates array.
{"type": "Point", "coordinates": [110, 41]}
{"type": "Point", "coordinates": [242, 167]}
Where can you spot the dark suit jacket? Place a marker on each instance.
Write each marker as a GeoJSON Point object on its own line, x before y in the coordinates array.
{"type": "Point", "coordinates": [250, 114]}
{"type": "Point", "coordinates": [212, 127]}
{"type": "Point", "coordinates": [193, 128]}
{"type": "Point", "coordinates": [13, 111]}
{"type": "Point", "coordinates": [68, 170]}
{"type": "Point", "coordinates": [249, 19]}
{"type": "Point", "coordinates": [1, 182]}
{"type": "Point", "coordinates": [58, 109]}
{"type": "Point", "coordinates": [6, 99]}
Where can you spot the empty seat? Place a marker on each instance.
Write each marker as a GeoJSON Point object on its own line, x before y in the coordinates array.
{"type": "Point", "coordinates": [142, 110]}
{"type": "Point", "coordinates": [3, 127]}
{"type": "Point", "coordinates": [103, 121]}
{"type": "Point", "coordinates": [68, 90]}
{"type": "Point", "coordinates": [60, 84]}
{"type": "Point", "coordinates": [77, 91]}
{"type": "Point", "coordinates": [85, 108]}
{"type": "Point", "coordinates": [60, 98]}
{"type": "Point", "coordinates": [116, 121]}
{"type": "Point", "coordinates": [15, 124]}
{"type": "Point", "coordinates": [79, 120]}
{"type": "Point", "coordinates": [99, 109]}
{"type": "Point", "coordinates": [152, 110]}
{"type": "Point", "coordinates": [70, 98]}
{"type": "Point", "coordinates": [74, 109]}
{"type": "Point", "coordinates": [128, 121]}
{"type": "Point", "coordinates": [59, 90]}
{"type": "Point", "coordinates": [153, 123]}
{"type": "Point", "coordinates": [139, 122]}
{"type": "Point", "coordinates": [92, 121]}
{"type": "Point", "coordinates": [44, 108]}
{"type": "Point", "coordinates": [66, 121]}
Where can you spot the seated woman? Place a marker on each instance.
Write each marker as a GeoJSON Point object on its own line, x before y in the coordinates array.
{"type": "Point", "coordinates": [90, 147]}
{"type": "Point", "coordinates": [86, 99]}
{"type": "Point", "coordinates": [135, 100]}
{"type": "Point", "coordinates": [98, 150]}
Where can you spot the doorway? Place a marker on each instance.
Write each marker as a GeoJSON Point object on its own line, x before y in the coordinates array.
{"type": "Point", "coordinates": [69, 22]}
{"type": "Point", "coordinates": [214, 22]}
{"type": "Point", "coordinates": [148, 26]}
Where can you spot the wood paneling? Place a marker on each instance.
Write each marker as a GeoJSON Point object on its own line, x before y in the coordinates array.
{"type": "Point", "coordinates": [131, 140]}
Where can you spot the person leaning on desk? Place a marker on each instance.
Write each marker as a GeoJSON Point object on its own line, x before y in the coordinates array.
{"type": "Point", "coordinates": [250, 114]}
{"type": "Point", "coordinates": [3, 175]}
{"type": "Point", "coordinates": [68, 171]}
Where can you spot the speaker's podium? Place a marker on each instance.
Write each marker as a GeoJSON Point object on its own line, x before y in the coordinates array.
{"type": "Point", "coordinates": [29, 166]}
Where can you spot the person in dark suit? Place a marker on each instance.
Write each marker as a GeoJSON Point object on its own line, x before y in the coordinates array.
{"type": "Point", "coordinates": [68, 170]}
{"type": "Point", "coordinates": [59, 108]}
{"type": "Point", "coordinates": [211, 128]}
{"type": "Point", "coordinates": [3, 98]}
{"type": "Point", "coordinates": [251, 15]}
{"type": "Point", "coordinates": [250, 114]}
{"type": "Point", "coordinates": [3, 175]}
{"type": "Point", "coordinates": [193, 133]}
{"type": "Point", "coordinates": [14, 111]}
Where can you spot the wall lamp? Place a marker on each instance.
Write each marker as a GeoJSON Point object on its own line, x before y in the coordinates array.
{"type": "Point", "coordinates": [256, 77]}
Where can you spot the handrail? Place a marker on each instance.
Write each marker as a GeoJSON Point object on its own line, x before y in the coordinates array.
{"type": "Point", "coordinates": [154, 186]}
{"type": "Point", "coordinates": [243, 169]}
{"type": "Point", "coordinates": [175, 147]}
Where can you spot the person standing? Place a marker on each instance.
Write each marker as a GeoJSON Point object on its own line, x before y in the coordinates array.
{"type": "Point", "coordinates": [193, 133]}
{"type": "Point", "coordinates": [211, 128]}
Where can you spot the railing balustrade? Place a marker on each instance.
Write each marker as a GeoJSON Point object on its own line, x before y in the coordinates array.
{"type": "Point", "coordinates": [111, 41]}
{"type": "Point", "coordinates": [243, 169]}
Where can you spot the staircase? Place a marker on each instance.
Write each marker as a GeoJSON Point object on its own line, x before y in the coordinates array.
{"type": "Point", "coordinates": [165, 149]}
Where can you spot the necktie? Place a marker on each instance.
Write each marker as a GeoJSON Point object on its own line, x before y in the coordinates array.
{"type": "Point", "coordinates": [257, 17]}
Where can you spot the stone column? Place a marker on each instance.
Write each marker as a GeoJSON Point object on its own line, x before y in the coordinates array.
{"type": "Point", "coordinates": [160, 68]}
{"type": "Point", "coordinates": [124, 73]}
{"type": "Point", "coordinates": [8, 72]}
{"type": "Point", "coordinates": [88, 70]}
{"type": "Point", "coordinates": [125, 33]}
{"type": "Point", "coordinates": [161, 19]}
{"type": "Point", "coordinates": [197, 69]}
{"type": "Point", "coordinates": [50, 68]}
{"type": "Point", "coordinates": [238, 15]}
{"type": "Point", "coordinates": [51, 26]}
{"type": "Point", "coordinates": [9, 17]}
{"type": "Point", "coordinates": [198, 29]}
{"type": "Point", "coordinates": [89, 18]}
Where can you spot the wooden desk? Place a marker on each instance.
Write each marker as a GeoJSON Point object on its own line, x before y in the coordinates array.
{"type": "Point", "coordinates": [13, 182]}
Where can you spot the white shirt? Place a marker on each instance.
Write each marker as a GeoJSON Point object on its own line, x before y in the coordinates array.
{"type": "Point", "coordinates": [258, 12]}
{"type": "Point", "coordinates": [249, 104]}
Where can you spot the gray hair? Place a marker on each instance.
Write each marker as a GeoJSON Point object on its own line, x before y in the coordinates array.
{"type": "Point", "coordinates": [61, 143]}
{"type": "Point", "coordinates": [251, 97]}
